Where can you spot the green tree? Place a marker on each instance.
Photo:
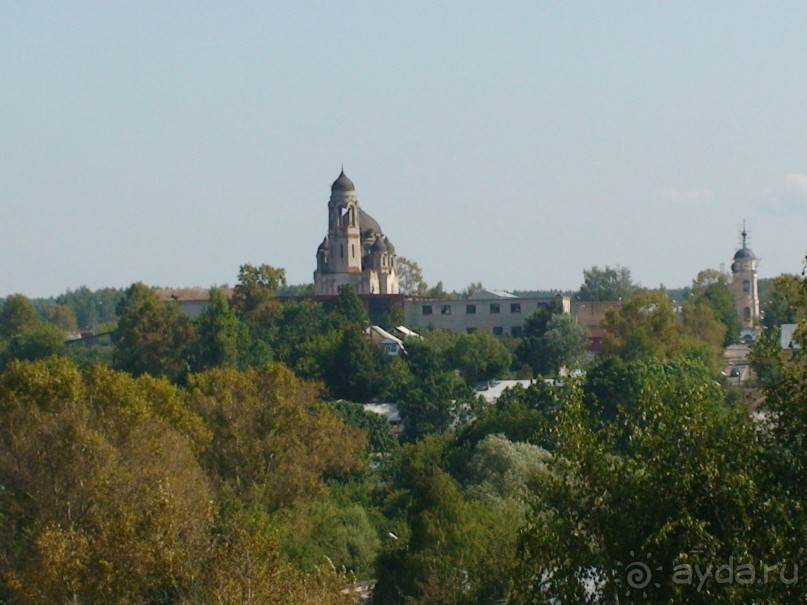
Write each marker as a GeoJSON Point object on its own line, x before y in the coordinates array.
{"type": "Point", "coordinates": [63, 318]}
{"type": "Point", "coordinates": [552, 341]}
{"type": "Point", "coordinates": [410, 277]}
{"type": "Point", "coordinates": [17, 315]}
{"type": "Point", "coordinates": [349, 309]}
{"type": "Point", "coordinates": [255, 298]}
{"type": "Point", "coordinates": [480, 356]}
{"type": "Point", "coordinates": [610, 283]}
{"type": "Point", "coordinates": [645, 326]}
{"type": "Point", "coordinates": [780, 304]}
{"type": "Point", "coordinates": [676, 462]}
{"type": "Point", "coordinates": [357, 369]}
{"type": "Point", "coordinates": [152, 337]}
{"type": "Point", "coordinates": [220, 335]}
{"type": "Point", "coordinates": [712, 288]}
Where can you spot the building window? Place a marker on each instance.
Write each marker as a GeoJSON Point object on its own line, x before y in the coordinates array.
{"type": "Point", "coordinates": [747, 313]}
{"type": "Point", "coordinates": [470, 330]}
{"type": "Point", "coordinates": [498, 331]}
{"type": "Point", "coordinates": [445, 310]}
{"type": "Point", "coordinates": [515, 307]}
{"type": "Point", "coordinates": [470, 309]}
{"type": "Point", "coordinates": [516, 331]}
{"type": "Point", "coordinates": [494, 308]}
{"type": "Point", "coordinates": [341, 251]}
{"type": "Point", "coordinates": [353, 250]}
{"type": "Point", "coordinates": [427, 309]}
{"type": "Point", "coordinates": [391, 349]}
{"type": "Point", "coordinates": [746, 286]}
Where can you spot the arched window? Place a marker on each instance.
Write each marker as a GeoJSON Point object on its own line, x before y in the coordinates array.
{"type": "Point", "coordinates": [747, 313]}
{"type": "Point", "coordinates": [746, 286]}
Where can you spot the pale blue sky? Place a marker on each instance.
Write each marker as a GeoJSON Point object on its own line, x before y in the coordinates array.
{"type": "Point", "coordinates": [514, 143]}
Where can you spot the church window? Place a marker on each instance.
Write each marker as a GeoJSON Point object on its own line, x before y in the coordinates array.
{"type": "Point", "coordinates": [515, 307]}
{"type": "Point", "coordinates": [445, 310]}
{"type": "Point", "coordinates": [427, 309]}
{"type": "Point", "coordinates": [747, 313]}
{"type": "Point", "coordinates": [746, 286]}
{"type": "Point", "coordinates": [353, 250]}
{"type": "Point", "coordinates": [494, 308]}
{"type": "Point", "coordinates": [470, 309]}
{"type": "Point", "coordinates": [341, 251]}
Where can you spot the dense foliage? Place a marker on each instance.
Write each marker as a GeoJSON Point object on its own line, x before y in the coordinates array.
{"type": "Point", "coordinates": [224, 459]}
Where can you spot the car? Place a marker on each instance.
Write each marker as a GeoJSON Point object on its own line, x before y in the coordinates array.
{"type": "Point", "coordinates": [735, 372]}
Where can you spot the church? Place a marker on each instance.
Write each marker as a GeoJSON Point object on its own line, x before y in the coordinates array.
{"type": "Point", "coordinates": [355, 251]}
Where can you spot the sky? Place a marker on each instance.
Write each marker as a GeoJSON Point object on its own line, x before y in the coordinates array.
{"type": "Point", "coordinates": [514, 144]}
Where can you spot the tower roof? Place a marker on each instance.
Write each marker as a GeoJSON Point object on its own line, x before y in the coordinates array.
{"type": "Point", "coordinates": [744, 253]}
{"type": "Point", "coordinates": [368, 223]}
{"type": "Point", "coordinates": [379, 245]}
{"type": "Point", "coordinates": [342, 183]}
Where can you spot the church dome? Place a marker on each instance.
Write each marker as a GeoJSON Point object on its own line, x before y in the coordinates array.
{"type": "Point", "coordinates": [368, 223]}
{"type": "Point", "coordinates": [379, 245]}
{"type": "Point", "coordinates": [343, 183]}
{"type": "Point", "coordinates": [744, 253]}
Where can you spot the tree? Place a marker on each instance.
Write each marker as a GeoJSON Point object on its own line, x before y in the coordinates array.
{"type": "Point", "coordinates": [91, 308]}
{"type": "Point", "coordinates": [152, 337]}
{"type": "Point", "coordinates": [23, 335]}
{"type": "Point", "coordinates": [410, 277]}
{"type": "Point", "coordinates": [607, 284]}
{"type": "Point", "coordinates": [220, 335]}
{"type": "Point", "coordinates": [552, 341]}
{"type": "Point", "coordinates": [644, 326]}
{"type": "Point", "coordinates": [62, 317]}
{"type": "Point", "coordinates": [357, 370]}
{"type": "Point", "coordinates": [712, 288]}
{"type": "Point", "coordinates": [255, 296]}
{"type": "Point", "coordinates": [780, 303]}
{"type": "Point", "coordinates": [480, 356]}
{"type": "Point", "coordinates": [273, 442]}
{"type": "Point", "coordinates": [472, 290]}
{"type": "Point", "coordinates": [676, 462]}
{"type": "Point", "coordinates": [349, 309]}
{"type": "Point", "coordinates": [17, 315]}
{"type": "Point", "coordinates": [103, 500]}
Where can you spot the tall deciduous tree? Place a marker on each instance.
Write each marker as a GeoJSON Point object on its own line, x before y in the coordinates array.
{"type": "Point", "coordinates": [480, 356]}
{"type": "Point", "coordinates": [152, 337]}
{"type": "Point", "coordinates": [712, 288]}
{"type": "Point", "coordinates": [644, 326]}
{"type": "Point", "coordinates": [410, 277]}
{"type": "Point", "coordinates": [609, 283]}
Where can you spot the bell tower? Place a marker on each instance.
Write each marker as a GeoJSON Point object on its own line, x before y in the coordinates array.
{"type": "Point", "coordinates": [744, 283]}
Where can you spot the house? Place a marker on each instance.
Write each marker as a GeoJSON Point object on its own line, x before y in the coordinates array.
{"type": "Point", "coordinates": [391, 345]}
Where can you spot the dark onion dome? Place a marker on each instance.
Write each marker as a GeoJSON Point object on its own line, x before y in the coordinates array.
{"type": "Point", "coordinates": [343, 183]}
{"type": "Point", "coordinates": [323, 245]}
{"type": "Point", "coordinates": [390, 247]}
{"type": "Point", "coordinates": [368, 223]}
{"type": "Point", "coordinates": [744, 253]}
{"type": "Point", "coordinates": [379, 245]}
